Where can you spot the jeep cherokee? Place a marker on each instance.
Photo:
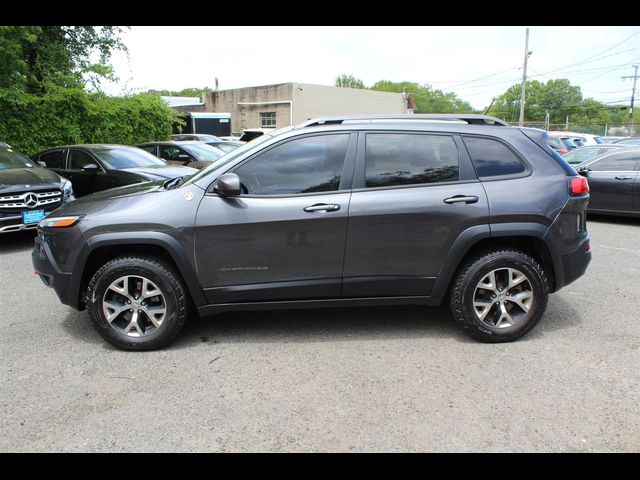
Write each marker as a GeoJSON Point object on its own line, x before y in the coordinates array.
{"type": "Point", "coordinates": [337, 211]}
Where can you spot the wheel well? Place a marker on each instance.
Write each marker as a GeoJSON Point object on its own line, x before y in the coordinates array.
{"type": "Point", "coordinates": [102, 255]}
{"type": "Point", "coordinates": [532, 246]}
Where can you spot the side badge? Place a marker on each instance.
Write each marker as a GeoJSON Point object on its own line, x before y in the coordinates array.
{"type": "Point", "coordinates": [188, 196]}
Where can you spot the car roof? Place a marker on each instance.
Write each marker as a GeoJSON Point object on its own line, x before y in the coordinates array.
{"type": "Point", "coordinates": [172, 142]}
{"type": "Point", "coordinates": [87, 146]}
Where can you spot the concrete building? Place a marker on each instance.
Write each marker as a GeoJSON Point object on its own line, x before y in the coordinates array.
{"type": "Point", "coordinates": [286, 104]}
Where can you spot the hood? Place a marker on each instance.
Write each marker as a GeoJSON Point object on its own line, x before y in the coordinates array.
{"type": "Point", "coordinates": [98, 200]}
{"type": "Point", "coordinates": [17, 178]}
{"type": "Point", "coordinates": [162, 171]}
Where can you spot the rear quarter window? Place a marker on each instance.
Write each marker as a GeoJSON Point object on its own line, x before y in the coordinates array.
{"type": "Point", "coordinates": [491, 158]}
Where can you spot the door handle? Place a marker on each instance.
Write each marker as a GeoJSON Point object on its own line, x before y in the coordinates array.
{"type": "Point", "coordinates": [461, 199]}
{"type": "Point", "coordinates": [623, 177]}
{"type": "Point", "coordinates": [318, 207]}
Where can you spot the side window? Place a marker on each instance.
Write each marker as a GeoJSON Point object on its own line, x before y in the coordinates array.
{"type": "Point", "coordinates": [54, 159]}
{"type": "Point", "coordinates": [304, 165]}
{"type": "Point", "coordinates": [408, 159]}
{"type": "Point", "coordinates": [491, 158]}
{"type": "Point", "coordinates": [149, 148]}
{"type": "Point", "coordinates": [169, 152]}
{"type": "Point", "coordinates": [618, 162]}
{"type": "Point", "coordinates": [78, 159]}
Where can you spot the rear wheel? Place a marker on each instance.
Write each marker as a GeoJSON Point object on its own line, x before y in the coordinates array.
{"type": "Point", "coordinates": [137, 303]}
{"type": "Point", "coordinates": [500, 295]}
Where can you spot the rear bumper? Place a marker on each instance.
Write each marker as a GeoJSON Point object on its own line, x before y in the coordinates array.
{"type": "Point", "coordinates": [50, 274]}
{"type": "Point", "coordinates": [575, 263]}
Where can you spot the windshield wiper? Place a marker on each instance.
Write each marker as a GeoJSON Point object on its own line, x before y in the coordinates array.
{"type": "Point", "coordinates": [172, 183]}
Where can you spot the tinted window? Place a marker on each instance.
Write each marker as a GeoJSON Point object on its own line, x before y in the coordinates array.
{"type": "Point", "coordinates": [581, 155]}
{"type": "Point", "coordinates": [54, 159]}
{"type": "Point", "coordinates": [491, 158]}
{"type": "Point", "coordinates": [304, 165]}
{"type": "Point", "coordinates": [78, 159]}
{"type": "Point", "coordinates": [126, 157]}
{"type": "Point", "coordinates": [148, 148]}
{"type": "Point", "coordinates": [618, 162]}
{"type": "Point", "coordinates": [408, 159]}
{"type": "Point", "coordinates": [203, 152]}
{"type": "Point", "coordinates": [169, 152]}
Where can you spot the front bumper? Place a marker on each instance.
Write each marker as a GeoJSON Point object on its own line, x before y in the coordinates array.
{"type": "Point", "coordinates": [49, 272]}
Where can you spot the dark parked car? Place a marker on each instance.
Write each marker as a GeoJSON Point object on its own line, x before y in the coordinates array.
{"type": "Point", "coordinates": [338, 211]}
{"type": "Point", "coordinates": [195, 137]}
{"type": "Point", "coordinates": [582, 154]}
{"type": "Point", "coordinates": [92, 168]}
{"type": "Point", "coordinates": [28, 192]}
{"type": "Point", "coordinates": [614, 182]}
{"type": "Point", "coordinates": [188, 153]}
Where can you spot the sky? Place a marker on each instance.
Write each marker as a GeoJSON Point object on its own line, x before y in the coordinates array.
{"type": "Point", "coordinates": [476, 63]}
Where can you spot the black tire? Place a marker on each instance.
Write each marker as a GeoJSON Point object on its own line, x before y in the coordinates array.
{"type": "Point", "coordinates": [175, 301]}
{"type": "Point", "coordinates": [463, 289]}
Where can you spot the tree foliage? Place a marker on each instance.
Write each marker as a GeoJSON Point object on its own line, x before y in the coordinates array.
{"type": "Point", "coordinates": [427, 99]}
{"type": "Point", "coordinates": [349, 81]}
{"type": "Point", "coordinates": [36, 59]}
{"type": "Point", "coordinates": [561, 100]}
{"type": "Point", "coordinates": [64, 116]}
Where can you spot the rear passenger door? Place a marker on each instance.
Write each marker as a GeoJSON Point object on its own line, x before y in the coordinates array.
{"type": "Point", "coordinates": [413, 194]}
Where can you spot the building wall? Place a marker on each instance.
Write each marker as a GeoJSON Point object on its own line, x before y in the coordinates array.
{"type": "Point", "coordinates": [309, 101]}
{"type": "Point", "coordinates": [248, 116]}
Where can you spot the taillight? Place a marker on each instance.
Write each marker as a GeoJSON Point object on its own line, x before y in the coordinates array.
{"type": "Point", "coordinates": [579, 186]}
{"type": "Point", "coordinates": [563, 151]}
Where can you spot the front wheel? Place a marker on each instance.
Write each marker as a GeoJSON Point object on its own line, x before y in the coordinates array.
{"type": "Point", "coordinates": [499, 296]}
{"type": "Point", "coordinates": [137, 303]}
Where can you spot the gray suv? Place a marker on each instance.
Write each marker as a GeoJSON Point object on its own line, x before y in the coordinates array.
{"type": "Point", "coordinates": [337, 211]}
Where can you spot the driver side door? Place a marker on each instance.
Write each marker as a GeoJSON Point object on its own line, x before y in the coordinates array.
{"type": "Point", "coordinates": [284, 237]}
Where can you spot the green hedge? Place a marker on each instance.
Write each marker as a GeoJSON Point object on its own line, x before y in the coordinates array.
{"type": "Point", "coordinates": [70, 116]}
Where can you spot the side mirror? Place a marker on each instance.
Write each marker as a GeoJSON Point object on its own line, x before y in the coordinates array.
{"type": "Point", "coordinates": [42, 164]}
{"type": "Point", "coordinates": [228, 185]}
{"type": "Point", "coordinates": [584, 171]}
{"type": "Point", "coordinates": [91, 168]}
{"type": "Point", "coordinates": [184, 156]}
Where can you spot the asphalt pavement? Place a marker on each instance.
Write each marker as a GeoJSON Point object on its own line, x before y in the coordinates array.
{"type": "Point", "coordinates": [360, 379]}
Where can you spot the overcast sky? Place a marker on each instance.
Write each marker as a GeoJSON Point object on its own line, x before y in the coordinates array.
{"type": "Point", "coordinates": [448, 58]}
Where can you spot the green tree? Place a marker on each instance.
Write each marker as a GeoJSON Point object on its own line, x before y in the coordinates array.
{"type": "Point", "coordinates": [349, 81]}
{"type": "Point", "coordinates": [185, 92]}
{"type": "Point", "coordinates": [37, 59]}
{"type": "Point", "coordinates": [558, 97]}
{"type": "Point", "coordinates": [427, 99]}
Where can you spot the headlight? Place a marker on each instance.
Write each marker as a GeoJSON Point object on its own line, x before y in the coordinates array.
{"type": "Point", "coordinates": [67, 192]}
{"type": "Point", "coordinates": [59, 222]}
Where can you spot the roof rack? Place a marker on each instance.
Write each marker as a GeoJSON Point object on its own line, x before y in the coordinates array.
{"type": "Point", "coordinates": [471, 119]}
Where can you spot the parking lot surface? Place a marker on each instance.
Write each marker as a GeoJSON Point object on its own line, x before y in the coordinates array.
{"type": "Point", "coordinates": [361, 379]}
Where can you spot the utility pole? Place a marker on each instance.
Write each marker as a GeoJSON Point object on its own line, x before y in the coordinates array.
{"type": "Point", "coordinates": [633, 95]}
{"type": "Point", "coordinates": [524, 79]}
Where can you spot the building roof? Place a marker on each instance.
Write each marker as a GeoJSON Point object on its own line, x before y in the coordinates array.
{"type": "Point", "coordinates": [181, 101]}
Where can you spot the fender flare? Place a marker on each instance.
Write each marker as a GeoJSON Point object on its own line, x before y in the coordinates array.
{"type": "Point", "coordinates": [161, 239]}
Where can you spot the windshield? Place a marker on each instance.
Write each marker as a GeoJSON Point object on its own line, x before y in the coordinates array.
{"type": "Point", "coordinates": [228, 158]}
{"type": "Point", "coordinates": [9, 158]}
{"type": "Point", "coordinates": [126, 157]}
{"type": "Point", "coordinates": [202, 151]}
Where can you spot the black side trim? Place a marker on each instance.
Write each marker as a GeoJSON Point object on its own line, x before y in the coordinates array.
{"type": "Point", "coordinates": [384, 285]}
{"type": "Point", "coordinates": [330, 302]}
{"type": "Point", "coordinates": [275, 291]}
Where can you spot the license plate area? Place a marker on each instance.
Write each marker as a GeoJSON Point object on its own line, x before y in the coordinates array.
{"type": "Point", "coordinates": [32, 216]}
